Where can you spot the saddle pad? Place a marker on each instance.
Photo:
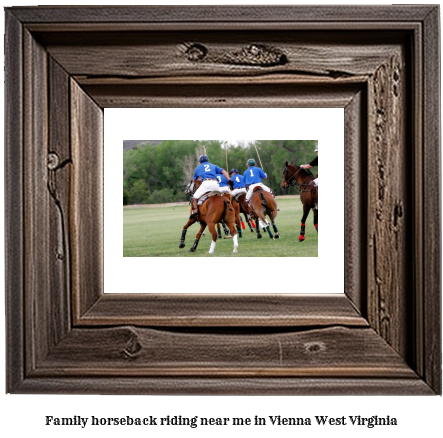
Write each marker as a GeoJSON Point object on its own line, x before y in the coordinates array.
{"type": "Point", "coordinates": [206, 196]}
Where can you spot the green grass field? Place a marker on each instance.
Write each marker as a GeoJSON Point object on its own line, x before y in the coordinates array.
{"type": "Point", "coordinates": [156, 232]}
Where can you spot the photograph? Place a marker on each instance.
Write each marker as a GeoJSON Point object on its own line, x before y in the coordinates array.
{"type": "Point", "coordinates": [223, 187]}
{"type": "Point", "coordinates": [158, 173]}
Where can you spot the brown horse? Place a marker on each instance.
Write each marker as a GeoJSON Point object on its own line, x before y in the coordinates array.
{"type": "Point", "coordinates": [215, 209]}
{"type": "Point", "coordinates": [261, 204]}
{"type": "Point", "coordinates": [294, 175]}
{"type": "Point", "coordinates": [236, 206]}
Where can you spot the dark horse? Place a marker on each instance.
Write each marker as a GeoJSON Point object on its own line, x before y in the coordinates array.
{"type": "Point", "coordinates": [236, 207]}
{"type": "Point", "coordinates": [261, 204]}
{"type": "Point", "coordinates": [294, 175]}
{"type": "Point", "coordinates": [244, 208]}
{"type": "Point", "coordinates": [215, 209]}
{"type": "Point", "coordinates": [239, 205]}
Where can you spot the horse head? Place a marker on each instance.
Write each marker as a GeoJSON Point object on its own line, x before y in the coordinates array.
{"type": "Point", "coordinates": [190, 188]}
{"type": "Point", "coordinates": [289, 175]}
{"type": "Point", "coordinates": [294, 175]}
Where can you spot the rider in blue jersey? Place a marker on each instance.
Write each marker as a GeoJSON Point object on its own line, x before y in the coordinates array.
{"type": "Point", "coordinates": [223, 184]}
{"type": "Point", "coordinates": [208, 173]}
{"type": "Point", "coordinates": [239, 182]}
{"type": "Point", "coordinates": [253, 176]}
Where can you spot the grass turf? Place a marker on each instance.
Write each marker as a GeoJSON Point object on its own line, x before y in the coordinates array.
{"type": "Point", "coordinates": [156, 232]}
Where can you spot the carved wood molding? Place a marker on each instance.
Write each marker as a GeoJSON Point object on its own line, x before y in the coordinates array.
{"type": "Point", "coordinates": [64, 66]}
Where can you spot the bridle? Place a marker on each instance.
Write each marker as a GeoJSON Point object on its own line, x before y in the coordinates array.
{"type": "Point", "coordinates": [294, 182]}
{"type": "Point", "coordinates": [190, 189]}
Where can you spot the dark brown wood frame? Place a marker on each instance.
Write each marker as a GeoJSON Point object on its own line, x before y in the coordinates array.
{"type": "Point", "coordinates": [64, 65]}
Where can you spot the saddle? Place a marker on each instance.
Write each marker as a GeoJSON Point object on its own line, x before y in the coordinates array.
{"type": "Point", "coordinates": [206, 196]}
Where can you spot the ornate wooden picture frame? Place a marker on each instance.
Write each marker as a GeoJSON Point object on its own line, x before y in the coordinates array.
{"type": "Point", "coordinates": [65, 64]}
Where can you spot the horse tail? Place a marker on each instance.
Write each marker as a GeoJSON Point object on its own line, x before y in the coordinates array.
{"type": "Point", "coordinates": [263, 200]}
{"type": "Point", "coordinates": [227, 205]}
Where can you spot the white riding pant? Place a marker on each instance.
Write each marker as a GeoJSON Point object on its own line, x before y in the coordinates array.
{"type": "Point", "coordinates": [253, 186]}
{"type": "Point", "coordinates": [206, 186]}
{"type": "Point", "coordinates": [316, 182]}
{"type": "Point", "coordinates": [225, 189]}
{"type": "Point", "coordinates": [237, 191]}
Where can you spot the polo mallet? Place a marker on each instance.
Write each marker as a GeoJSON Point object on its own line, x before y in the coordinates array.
{"type": "Point", "coordinates": [227, 171]}
{"type": "Point", "coordinates": [226, 156]}
{"type": "Point", "coordinates": [230, 197]}
{"type": "Point", "coordinates": [256, 150]}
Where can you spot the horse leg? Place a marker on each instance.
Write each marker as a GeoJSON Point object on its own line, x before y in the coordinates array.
{"type": "Point", "coordinates": [197, 238]}
{"type": "Point", "coordinates": [241, 221]}
{"type": "Point", "coordinates": [237, 218]}
{"type": "Point", "coordinates": [185, 228]}
{"type": "Point", "coordinates": [277, 235]}
{"type": "Point", "coordinates": [272, 217]}
{"type": "Point", "coordinates": [301, 237]}
{"type": "Point", "coordinates": [268, 227]}
{"type": "Point", "coordinates": [225, 229]}
{"type": "Point", "coordinates": [249, 223]}
{"type": "Point", "coordinates": [211, 227]}
{"type": "Point", "coordinates": [316, 219]}
{"type": "Point", "coordinates": [238, 225]}
{"type": "Point", "coordinates": [257, 228]}
{"type": "Point", "coordinates": [234, 235]}
{"type": "Point", "coordinates": [219, 231]}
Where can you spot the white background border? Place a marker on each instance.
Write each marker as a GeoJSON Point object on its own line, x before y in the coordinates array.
{"type": "Point", "coordinates": [130, 274]}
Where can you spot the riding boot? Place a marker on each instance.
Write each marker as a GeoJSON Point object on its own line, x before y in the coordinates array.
{"type": "Point", "coordinates": [194, 212]}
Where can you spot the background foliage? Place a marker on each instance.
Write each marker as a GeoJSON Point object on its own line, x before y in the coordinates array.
{"type": "Point", "coordinates": [158, 172]}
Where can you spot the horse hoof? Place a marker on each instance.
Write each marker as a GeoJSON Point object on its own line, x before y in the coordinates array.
{"type": "Point", "coordinates": [259, 236]}
{"type": "Point", "coordinates": [301, 238]}
{"type": "Point", "coordinates": [235, 250]}
{"type": "Point", "coordinates": [181, 245]}
{"type": "Point", "coordinates": [192, 250]}
{"type": "Point", "coordinates": [277, 236]}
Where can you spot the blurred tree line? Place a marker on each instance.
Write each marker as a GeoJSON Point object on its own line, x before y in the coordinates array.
{"type": "Point", "coordinates": [155, 174]}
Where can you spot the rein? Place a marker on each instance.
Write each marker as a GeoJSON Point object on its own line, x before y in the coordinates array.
{"type": "Point", "coordinates": [294, 182]}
